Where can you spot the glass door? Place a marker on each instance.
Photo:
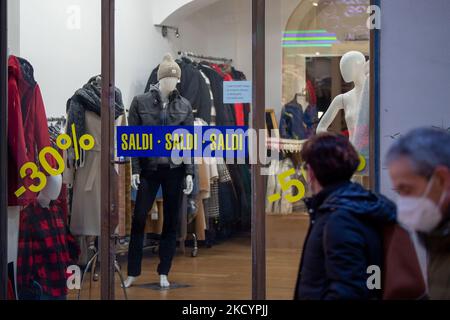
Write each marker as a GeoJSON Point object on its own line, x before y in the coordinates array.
{"type": "Point", "coordinates": [53, 149]}
{"type": "Point", "coordinates": [313, 46]}
{"type": "Point", "coordinates": [185, 232]}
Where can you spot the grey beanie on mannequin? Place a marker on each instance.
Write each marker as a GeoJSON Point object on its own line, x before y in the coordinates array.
{"type": "Point", "coordinates": [169, 68]}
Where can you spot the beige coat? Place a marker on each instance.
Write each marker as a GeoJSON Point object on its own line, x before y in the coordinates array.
{"type": "Point", "coordinates": [86, 182]}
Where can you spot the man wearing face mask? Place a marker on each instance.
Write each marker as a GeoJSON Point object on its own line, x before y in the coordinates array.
{"type": "Point", "coordinates": [346, 222]}
{"type": "Point", "coordinates": [419, 166]}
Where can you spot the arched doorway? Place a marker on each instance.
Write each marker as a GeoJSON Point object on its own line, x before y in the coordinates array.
{"type": "Point", "coordinates": [316, 36]}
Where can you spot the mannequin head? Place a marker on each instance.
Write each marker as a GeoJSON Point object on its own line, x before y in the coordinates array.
{"type": "Point", "coordinates": [169, 73]}
{"type": "Point", "coordinates": [167, 85]}
{"type": "Point", "coordinates": [353, 66]}
{"type": "Point", "coordinates": [51, 191]}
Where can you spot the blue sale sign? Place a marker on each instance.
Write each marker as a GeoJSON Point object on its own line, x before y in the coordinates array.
{"type": "Point", "coordinates": [237, 92]}
{"type": "Point", "coordinates": [182, 142]}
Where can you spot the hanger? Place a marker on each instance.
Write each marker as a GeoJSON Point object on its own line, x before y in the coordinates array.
{"type": "Point", "coordinates": [303, 94]}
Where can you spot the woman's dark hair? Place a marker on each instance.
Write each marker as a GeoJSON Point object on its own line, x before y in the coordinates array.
{"type": "Point", "coordinates": [332, 158]}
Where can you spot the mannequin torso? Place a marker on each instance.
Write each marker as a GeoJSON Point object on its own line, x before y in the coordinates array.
{"type": "Point", "coordinates": [301, 100]}
{"type": "Point", "coordinates": [353, 68]}
{"type": "Point", "coordinates": [51, 191]}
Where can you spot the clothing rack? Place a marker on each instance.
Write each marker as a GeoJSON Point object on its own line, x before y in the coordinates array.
{"type": "Point", "coordinates": [202, 57]}
{"type": "Point", "coordinates": [285, 145]}
{"type": "Point", "coordinates": [56, 119]}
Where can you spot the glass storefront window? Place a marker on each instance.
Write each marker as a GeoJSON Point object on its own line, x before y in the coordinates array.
{"type": "Point", "coordinates": [325, 87]}
{"type": "Point", "coordinates": [200, 242]}
{"type": "Point", "coordinates": [174, 67]}
{"type": "Point", "coordinates": [54, 102]}
{"type": "Point", "coordinates": [81, 219]}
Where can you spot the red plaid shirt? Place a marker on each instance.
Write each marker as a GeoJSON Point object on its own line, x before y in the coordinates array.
{"type": "Point", "coordinates": [43, 254]}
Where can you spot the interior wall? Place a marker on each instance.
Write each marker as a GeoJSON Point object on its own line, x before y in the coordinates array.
{"type": "Point", "coordinates": [65, 55]}
{"type": "Point", "coordinates": [415, 64]}
{"type": "Point", "coordinates": [287, 8]}
{"type": "Point", "coordinates": [64, 58]}
{"type": "Point", "coordinates": [140, 46]}
{"type": "Point", "coordinates": [165, 8]}
{"type": "Point", "coordinates": [62, 40]}
{"type": "Point", "coordinates": [224, 29]}
{"type": "Point", "coordinates": [14, 27]}
{"type": "Point", "coordinates": [274, 56]}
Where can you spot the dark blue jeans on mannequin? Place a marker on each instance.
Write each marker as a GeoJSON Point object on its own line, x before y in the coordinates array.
{"type": "Point", "coordinates": [172, 182]}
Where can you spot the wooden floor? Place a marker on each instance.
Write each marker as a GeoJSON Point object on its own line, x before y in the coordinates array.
{"type": "Point", "coordinates": [222, 272]}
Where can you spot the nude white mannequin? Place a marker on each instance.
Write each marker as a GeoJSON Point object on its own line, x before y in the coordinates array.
{"type": "Point", "coordinates": [166, 86]}
{"type": "Point", "coordinates": [301, 97]}
{"type": "Point", "coordinates": [354, 69]}
{"type": "Point", "coordinates": [51, 191]}
{"type": "Point", "coordinates": [302, 101]}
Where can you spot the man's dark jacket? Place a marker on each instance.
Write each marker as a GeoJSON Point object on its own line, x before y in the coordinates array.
{"type": "Point", "coordinates": [343, 240]}
{"type": "Point", "coordinates": [148, 110]}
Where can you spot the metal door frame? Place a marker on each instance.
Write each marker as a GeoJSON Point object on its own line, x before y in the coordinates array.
{"type": "Point", "coordinates": [259, 264]}
{"type": "Point", "coordinates": [108, 201]}
{"type": "Point", "coordinates": [4, 149]}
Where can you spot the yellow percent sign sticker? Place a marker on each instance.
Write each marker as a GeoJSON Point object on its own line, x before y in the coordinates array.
{"type": "Point", "coordinates": [64, 142]}
{"type": "Point", "coordinates": [287, 184]}
{"type": "Point", "coordinates": [86, 142]}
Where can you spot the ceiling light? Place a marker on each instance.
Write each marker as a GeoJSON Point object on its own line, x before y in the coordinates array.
{"type": "Point", "coordinates": [315, 4]}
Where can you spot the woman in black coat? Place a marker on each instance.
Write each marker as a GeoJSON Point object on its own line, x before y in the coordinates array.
{"type": "Point", "coordinates": [344, 238]}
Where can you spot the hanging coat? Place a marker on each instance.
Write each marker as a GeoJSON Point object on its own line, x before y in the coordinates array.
{"type": "Point", "coordinates": [292, 125]}
{"type": "Point", "coordinates": [27, 128]}
{"type": "Point", "coordinates": [224, 113]}
{"type": "Point", "coordinates": [84, 174]}
{"type": "Point", "coordinates": [86, 183]}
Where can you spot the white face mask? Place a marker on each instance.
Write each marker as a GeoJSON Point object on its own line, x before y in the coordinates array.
{"type": "Point", "coordinates": [420, 213]}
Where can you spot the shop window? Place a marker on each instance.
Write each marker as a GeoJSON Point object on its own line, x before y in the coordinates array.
{"type": "Point", "coordinates": [195, 49]}
{"type": "Point", "coordinates": [53, 148]}
{"type": "Point", "coordinates": [321, 92]}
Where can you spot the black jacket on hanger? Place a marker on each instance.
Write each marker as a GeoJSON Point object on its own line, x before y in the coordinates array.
{"type": "Point", "coordinates": [224, 113]}
{"type": "Point", "coordinates": [195, 86]}
{"type": "Point", "coordinates": [240, 76]}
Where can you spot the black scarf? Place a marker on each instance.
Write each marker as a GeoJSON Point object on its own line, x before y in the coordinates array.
{"type": "Point", "coordinates": [89, 98]}
{"type": "Point", "coordinates": [85, 99]}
